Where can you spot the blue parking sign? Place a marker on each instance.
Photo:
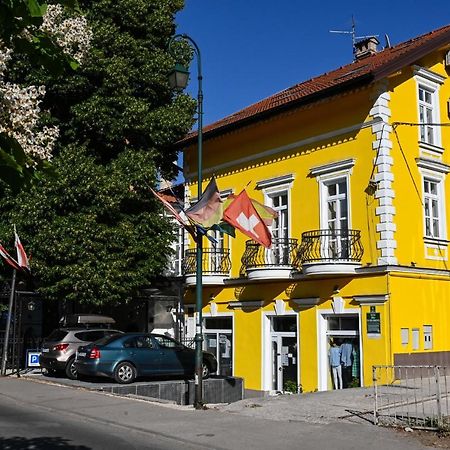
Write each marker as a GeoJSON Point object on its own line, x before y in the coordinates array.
{"type": "Point", "coordinates": [33, 358]}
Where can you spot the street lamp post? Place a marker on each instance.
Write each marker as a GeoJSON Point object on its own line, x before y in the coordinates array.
{"type": "Point", "coordinates": [178, 79]}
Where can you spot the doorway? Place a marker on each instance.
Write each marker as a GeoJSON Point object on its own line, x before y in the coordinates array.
{"type": "Point", "coordinates": [343, 330]}
{"type": "Point", "coordinates": [218, 332]}
{"type": "Point", "coordinates": [284, 354]}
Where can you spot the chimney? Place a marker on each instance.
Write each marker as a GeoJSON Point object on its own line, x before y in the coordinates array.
{"type": "Point", "coordinates": [366, 47]}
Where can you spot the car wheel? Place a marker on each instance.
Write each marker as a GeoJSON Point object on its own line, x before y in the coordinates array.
{"type": "Point", "coordinates": [125, 373]}
{"type": "Point", "coordinates": [206, 371]}
{"type": "Point", "coordinates": [71, 371]}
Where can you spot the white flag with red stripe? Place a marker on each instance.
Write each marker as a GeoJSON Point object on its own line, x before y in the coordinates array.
{"type": "Point", "coordinates": [22, 258]}
{"type": "Point", "coordinates": [9, 259]}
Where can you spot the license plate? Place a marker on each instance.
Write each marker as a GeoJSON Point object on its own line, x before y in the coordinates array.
{"type": "Point", "coordinates": [45, 350]}
{"type": "Point", "coordinates": [82, 354]}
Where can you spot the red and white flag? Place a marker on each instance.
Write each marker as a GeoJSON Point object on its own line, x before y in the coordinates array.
{"type": "Point", "coordinates": [9, 259]}
{"type": "Point", "coordinates": [242, 215]}
{"type": "Point", "coordinates": [184, 221]}
{"type": "Point", "coordinates": [22, 258]}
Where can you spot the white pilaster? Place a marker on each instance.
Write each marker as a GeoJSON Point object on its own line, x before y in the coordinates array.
{"type": "Point", "coordinates": [383, 162]}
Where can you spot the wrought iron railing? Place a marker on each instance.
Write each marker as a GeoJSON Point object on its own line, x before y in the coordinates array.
{"type": "Point", "coordinates": [281, 254]}
{"type": "Point", "coordinates": [330, 245]}
{"type": "Point", "coordinates": [214, 261]}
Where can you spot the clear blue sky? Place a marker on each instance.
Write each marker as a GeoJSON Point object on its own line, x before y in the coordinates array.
{"type": "Point", "coordinates": [254, 48]}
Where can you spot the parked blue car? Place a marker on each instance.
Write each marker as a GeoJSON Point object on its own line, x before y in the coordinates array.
{"type": "Point", "coordinates": [125, 357]}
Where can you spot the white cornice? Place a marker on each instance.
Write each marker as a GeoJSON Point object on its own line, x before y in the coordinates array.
{"type": "Point", "coordinates": [276, 181]}
{"type": "Point", "coordinates": [433, 165]}
{"type": "Point", "coordinates": [428, 75]}
{"type": "Point", "coordinates": [336, 166]}
{"type": "Point", "coordinates": [377, 299]}
{"type": "Point", "coordinates": [306, 302]}
{"type": "Point", "coordinates": [246, 305]}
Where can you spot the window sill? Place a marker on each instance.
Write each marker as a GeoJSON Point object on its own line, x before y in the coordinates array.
{"type": "Point", "coordinates": [436, 241]}
{"type": "Point", "coordinates": [435, 149]}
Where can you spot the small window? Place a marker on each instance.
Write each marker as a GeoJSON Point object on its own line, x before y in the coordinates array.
{"type": "Point", "coordinates": [433, 208]}
{"type": "Point", "coordinates": [284, 323]}
{"type": "Point", "coordinates": [415, 338]}
{"type": "Point", "coordinates": [144, 342]}
{"type": "Point", "coordinates": [404, 334]}
{"type": "Point", "coordinates": [167, 342]}
{"type": "Point", "coordinates": [427, 115]}
{"type": "Point", "coordinates": [218, 323]}
{"type": "Point", "coordinates": [343, 323]}
{"type": "Point", "coordinates": [427, 337]}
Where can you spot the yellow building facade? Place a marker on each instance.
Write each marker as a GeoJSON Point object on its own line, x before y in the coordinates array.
{"type": "Point", "coordinates": [356, 164]}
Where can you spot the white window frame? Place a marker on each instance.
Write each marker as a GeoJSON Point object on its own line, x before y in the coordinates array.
{"type": "Point", "coordinates": [428, 337]}
{"type": "Point", "coordinates": [429, 81]}
{"type": "Point", "coordinates": [206, 315]}
{"type": "Point", "coordinates": [415, 338]}
{"type": "Point", "coordinates": [326, 174]}
{"type": "Point", "coordinates": [439, 179]}
{"type": "Point", "coordinates": [324, 182]}
{"type": "Point", "coordinates": [404, 336]}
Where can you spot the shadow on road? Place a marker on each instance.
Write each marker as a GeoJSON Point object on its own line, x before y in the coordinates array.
{"type": "Point", "coordinates": [39, 443]}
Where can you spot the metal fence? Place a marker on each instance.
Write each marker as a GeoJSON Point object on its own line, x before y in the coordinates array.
{"type": "Point", "coordinates": [414, 396]}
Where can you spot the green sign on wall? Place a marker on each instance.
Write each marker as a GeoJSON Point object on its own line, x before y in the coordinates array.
{"type": "Point", "coordinates": [373, 323]}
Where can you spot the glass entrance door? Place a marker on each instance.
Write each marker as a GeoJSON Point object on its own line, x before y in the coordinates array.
{"type": "Point", "coordinates": [219, 341]}
{"type": "Point", "coordinates": [284, 354]}
{"type": "Point", "coordinates": [344, 332]}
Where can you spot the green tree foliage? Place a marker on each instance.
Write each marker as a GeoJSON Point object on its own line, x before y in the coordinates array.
{"type": "Point", "coordinates": [94, 229]}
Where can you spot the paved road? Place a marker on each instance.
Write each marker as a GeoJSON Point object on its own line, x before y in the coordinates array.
{"type": "Point", "coordinates": [43, 416]}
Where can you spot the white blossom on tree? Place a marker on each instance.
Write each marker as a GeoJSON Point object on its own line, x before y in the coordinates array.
{"type": "Point", "coordinates": [19, 105]}
{"type": "Point", "coordinates": [72, 33]}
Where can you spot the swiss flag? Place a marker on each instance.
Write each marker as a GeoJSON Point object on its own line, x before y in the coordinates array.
{"type": "Point", "coordinates": [242, 215]}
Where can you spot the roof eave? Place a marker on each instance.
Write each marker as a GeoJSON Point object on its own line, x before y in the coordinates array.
{"type": "Point", "coordinates": [353, 83]}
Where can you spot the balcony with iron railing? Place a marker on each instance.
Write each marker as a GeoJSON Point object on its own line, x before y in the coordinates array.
{"type": "Point", "coordinates": [216, 265]}
{"type": "Point", "coordinates": [330, 251]}
{"type": "Point", "coordinates": [277, 262]}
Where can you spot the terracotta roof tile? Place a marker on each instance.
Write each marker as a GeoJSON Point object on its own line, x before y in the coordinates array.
{"type": "Point", "coordinates": [364, 70]}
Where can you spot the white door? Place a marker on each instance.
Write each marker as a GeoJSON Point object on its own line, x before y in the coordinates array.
{"type": "Point", "coordinates": [284, 354]}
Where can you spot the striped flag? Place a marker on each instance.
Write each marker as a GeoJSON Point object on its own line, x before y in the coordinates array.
{"type": "Point", "coordinates": [22, 258]}
{"type": "Point", "coordinates": [9, 259]}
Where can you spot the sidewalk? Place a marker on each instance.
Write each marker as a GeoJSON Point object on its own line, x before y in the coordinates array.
{"type": "Point", "coordinates": [213, 428]}
{"type": "Point", "coordinates": [350, 405]}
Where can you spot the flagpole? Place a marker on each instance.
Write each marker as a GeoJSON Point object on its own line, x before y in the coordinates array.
{"type": "Point", "coordinates": [178, 80]}
{"type": "Point", "coordinates": [8, 323]}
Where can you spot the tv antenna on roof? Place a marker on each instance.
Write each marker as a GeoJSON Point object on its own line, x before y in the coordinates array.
{"type": "Point", "coordinates": [352, 32]}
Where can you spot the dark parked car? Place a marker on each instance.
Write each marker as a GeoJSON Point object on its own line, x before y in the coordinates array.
{"type": "Point", "coordinates": [58, 349]}
{"type": "Point", "coordinates": [128, 356]}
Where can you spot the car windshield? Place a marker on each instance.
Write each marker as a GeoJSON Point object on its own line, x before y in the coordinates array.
{"type": "Point", "coordinates": [57, 335]}
{"type": "Point", "coordinates": [108, 339]}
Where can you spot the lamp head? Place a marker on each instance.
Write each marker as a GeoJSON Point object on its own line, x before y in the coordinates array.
{"type": "Point", "coordinates": [179, 77]}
